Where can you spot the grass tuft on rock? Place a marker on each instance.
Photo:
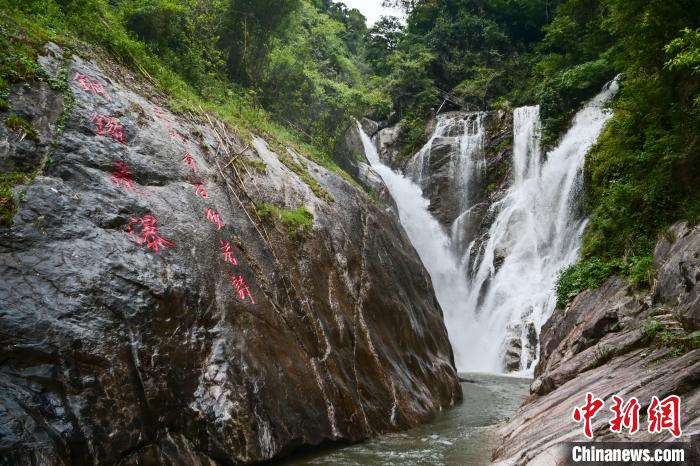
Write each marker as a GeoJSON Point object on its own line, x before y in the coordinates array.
{"type": "Point", "coordinates": [677, 340]}
{"type": "Point", "coordinates": [591, 273]}
{"type": "Point", "coordinates": [8, 201]}
{"type": "Point", "coordinates": [301, 169]}
{"type": "Point", "coordinates": [22, 127]}
{"type": "Point", "coordinates": [298, 222]}
{"type": "Point", "coordinates": [257, 165]}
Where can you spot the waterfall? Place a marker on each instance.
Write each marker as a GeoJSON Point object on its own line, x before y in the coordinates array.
{"type": "Point", "coordinates": [464, 134]}
{"type": "Point", "coordinates": [429, 239]}
{"type": "Point", "coordinates": [536, 233]}
{"type": "Point", "coordinates": [461, 138]}
{"type": "Point", "coordinates": [495, 307]}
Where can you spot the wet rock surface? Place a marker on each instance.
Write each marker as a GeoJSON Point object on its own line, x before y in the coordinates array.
{"type": "Point", "coordinates": [677, 258]}
{"type": "Point", "coordinates": [349, 154]}
{"type": "Point", "coordinates": [388, 144]}
{"type": "Point", "coordinates": [615, 341]}
{"type": "Point", "coordinates": [477, 145]}
{"type": "Point", "coordinates": [114, 354]}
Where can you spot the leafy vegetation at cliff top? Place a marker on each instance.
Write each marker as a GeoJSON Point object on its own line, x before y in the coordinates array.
{"type": "Point", "coordinates": [644, 172]}
{"type": "Point", "coordinates": [298, 71]}
{"type": "Point", "coordinates": [288, 69]}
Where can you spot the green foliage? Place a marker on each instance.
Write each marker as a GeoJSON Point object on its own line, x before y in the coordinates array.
{"type": "Point", "coordinates": [381, 41]}
{"type": "Point", "coordinates": [657, 334]}
{"type": "Point", "coordinates": [592, 272]}
{"type": "Point", "coordinates": [7, 207]}
{"type": "Point", "coordinates": [298, 71]}
{"type": "Point", "coordinates": [8, 202]}
{"type": "Point", "coordinates": [22, 127]}
{"type": "Point", "coordinates": [582, 276]}
{"type": "Point", "coordinates": [641, 271]}
{"type": "Point", "coordinates": [571, 63]}
{"type": "Point", "coordinates": [20, 46]}
{"type": "Point", "coordinates": [643, 172]}
{"type": "Point", "coordinates": [299, 167]}
{"type": "Point", "coordinates": [287, 70]}
{"type": "Point", "coordinates": [257, 165]}
{"type": "Point", "coordinates": [685, 51]}
{"type": "Point", "coordinates": [602, 355]}
{"type": "Point", "coordinates": [183, 35]}
{"type": "Point", "coordinates": [251, 26]}
{"type": "Point", "coordinates": [561, 93]}
{"type": "Point", "coordinates": [309, 80]}
{"type": "Point", "coordinates": [298, 222]}
{"type": "Point", "coordinates": [412, 135]}
{"type": "Point", "coordinates": [480, 51]}
{"type": "Point", "coordinates": [301, 60]}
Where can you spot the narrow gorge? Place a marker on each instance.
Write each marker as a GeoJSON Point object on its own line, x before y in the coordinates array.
{"type": "Point", "coordinates": [360, 233]}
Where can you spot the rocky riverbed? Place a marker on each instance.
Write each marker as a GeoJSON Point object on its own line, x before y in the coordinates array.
{"type": "Point", "coordinates": [616, 340]}
{"type": "Point", "coordinates": [464, 435]}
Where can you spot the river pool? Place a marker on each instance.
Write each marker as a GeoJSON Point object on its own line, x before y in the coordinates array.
{"type": "Point", "coordinates": [461, 436]}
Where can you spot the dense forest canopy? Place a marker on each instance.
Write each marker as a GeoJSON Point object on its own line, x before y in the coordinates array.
{"type": "Point", "coordinates": [302, 70]}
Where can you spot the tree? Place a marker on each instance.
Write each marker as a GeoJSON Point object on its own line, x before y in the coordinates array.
{"type": "Point", "coordinates": [381, 40]}
{"type": "Point", "coordinates": [405, 5]}
{"type": "Point", "coordinates": [249, 28]}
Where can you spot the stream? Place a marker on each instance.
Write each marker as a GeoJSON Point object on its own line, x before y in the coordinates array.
{"type": "Point", "coordinates": [463, 435]}
{"type": "Point", "coordinates": [536, 230]}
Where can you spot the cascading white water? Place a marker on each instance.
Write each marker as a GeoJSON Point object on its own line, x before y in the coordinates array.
{"type": "Point", "coordinates": [465, 135]}
{"type": "Point", "coordinates": [535, 234]}
{"type": "Point", "coordinates": [461, 163]}
{"type": "Point", "coordinates": [430, 240]}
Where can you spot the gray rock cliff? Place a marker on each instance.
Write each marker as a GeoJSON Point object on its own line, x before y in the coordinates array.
{"type": "Point", "coordinates": [151, 314]}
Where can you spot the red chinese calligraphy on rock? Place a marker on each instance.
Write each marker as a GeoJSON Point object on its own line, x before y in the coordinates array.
{"type": "Point", "coordinates": [626, 415]}
{"type": "Point", "coordinates": [175, 136]}
{"type": "Point", "coordinates": [160, 114]}
{"type": "Point", "coordinates": [239, 284]}
{"type": "Point", "coordinates": [149, 233]}
{"type": "Point", "coordinates": [109, 126]}
{"type": "Point", "coordinates": [200, 191]}
{"type": "Point", "coordinates": [665, 415]}
{"type": "Point", "coordinates": [125, 180]}
{"type": "Point", "coordinates": [227, 252]}
{"type": "Point", "coordinates": [91, 86]}
{"type": "Point", "coordinates": [214, 218]}
{"type": "Point", "coordinates": [587, 412]}
{"type": "Point", "coordinates": [189, 160]}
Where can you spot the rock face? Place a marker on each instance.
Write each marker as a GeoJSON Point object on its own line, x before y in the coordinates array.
{"type": "Point", "coordinates": [349, 154]}
{"type": "Point", "coordinates": [387, 143]}
{"type": "Point", "coordinates": [615, 341]}
{"type": "Point", "coordinates": [115, 354]}
{"type": "Point", "coordinates": [476, 146]}
{"type": "Point", "coordinates": [677, 258]}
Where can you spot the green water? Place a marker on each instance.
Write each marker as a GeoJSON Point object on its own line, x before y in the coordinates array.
{"type": "Point", "coordinates": [461, 436]}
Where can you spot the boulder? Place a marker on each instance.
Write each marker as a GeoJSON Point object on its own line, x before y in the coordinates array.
{"type": "Point", "coordinates": [388, 143]}
{"type": "Point", "coordinates": [155, 312]}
